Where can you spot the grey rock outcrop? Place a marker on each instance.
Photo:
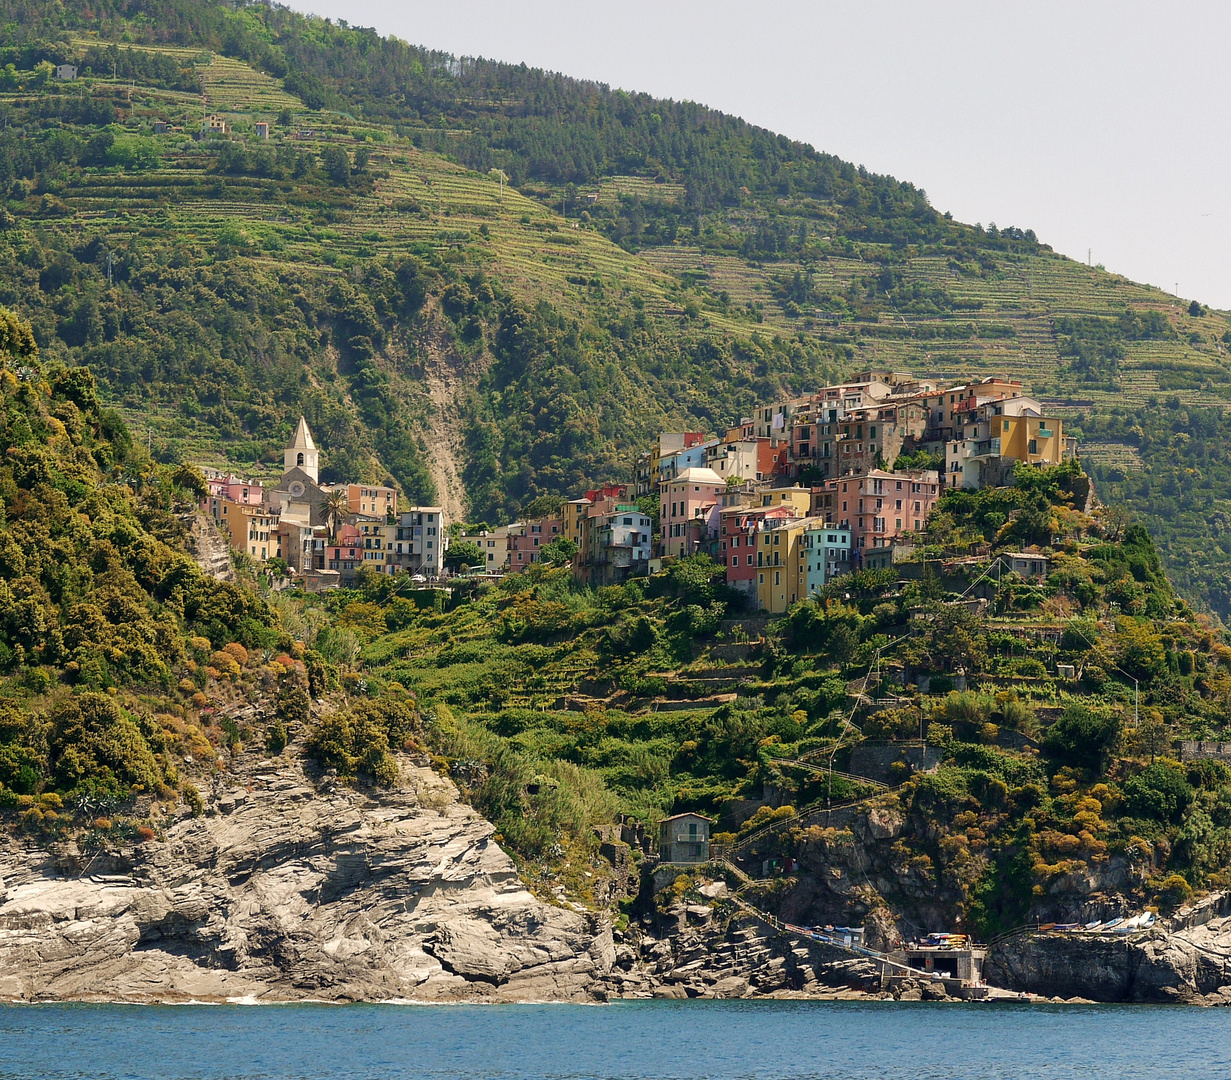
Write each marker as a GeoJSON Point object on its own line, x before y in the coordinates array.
{"type": "Point", "coordinates": [738, 958]}
{"type": "Point", "coordinates": [209, 547]}
{"type": "Point", "coordinates": [1187, 959]}
{"type": "Point", "coordinates": [286, 893]}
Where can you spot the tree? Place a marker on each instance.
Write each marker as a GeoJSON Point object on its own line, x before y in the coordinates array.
{"type": "Point", "coordinates": [1081, 736]}
{"type": "Point", "coordinates": [189, 478]}
{"type": "Point", "coordinates": [336, 164]}
{"type": "Point", "coordinates": [17, 343]}
{"type": "Point", "coordinates": [464, 554]}
{"type": "Point", "coordinates": [336, 506]}
{"type": "Point", "coordinates": [545, 506]}
{"type": "Point", "coordinates": [1159, 792]}
{"type": "Point", "coordinates": [1196, 310]}
{"type": "Point", "coordinates": [560, 552]}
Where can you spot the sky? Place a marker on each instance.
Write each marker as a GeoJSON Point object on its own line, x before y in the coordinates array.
{"type": "Point", "coordinates": [1102, 126]}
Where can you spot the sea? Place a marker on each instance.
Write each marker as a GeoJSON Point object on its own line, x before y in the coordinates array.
{"type": "Point", "coordinates": [651, 1040]}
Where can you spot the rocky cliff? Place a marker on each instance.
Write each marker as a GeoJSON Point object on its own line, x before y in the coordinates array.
{"type": "Point", "coordinates": [282, 892]}
{"type": "Point", "coordinates": [1187, 959]}
{"type": "Point", "coordinates": [209, 547]}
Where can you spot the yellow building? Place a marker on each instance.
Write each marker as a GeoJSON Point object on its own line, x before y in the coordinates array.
{"type": "Point", "coordinates": [782, 564]}
{"type": "Point", "coordinates": [1036, 440]}
{"type": "Point", "coordinates": [996, 436]}
{"type": "Point", "coordinates": [575, 517]}
{"type": "Point", "coordinates": [800, 499]}
{"type": "Point", "coordinates": [251, 529]}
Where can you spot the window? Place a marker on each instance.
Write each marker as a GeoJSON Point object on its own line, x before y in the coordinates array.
{"type": "Point", "coordinates": [777, 578]}
{"type": "Point", "coordinates": [749, 560]}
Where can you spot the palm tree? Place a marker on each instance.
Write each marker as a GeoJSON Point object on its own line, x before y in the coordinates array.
{"type": "Point", "coordinates": [336, 507]}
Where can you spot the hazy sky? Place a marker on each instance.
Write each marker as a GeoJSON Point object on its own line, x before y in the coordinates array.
{"type": "Point", "coordinates": [1102, 126]}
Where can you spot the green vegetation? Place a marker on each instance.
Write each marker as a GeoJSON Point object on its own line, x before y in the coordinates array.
{"type": "Point", "coordinates": [124, 676]}
{"type": "Point", "coordinates": [110, 636]}
{"type": "Point", "coordinates": [645, 264]}
{"type": "Point", "coordinates": [554, 706]}
{"type": "Point", "coordinates": [1169, 463]}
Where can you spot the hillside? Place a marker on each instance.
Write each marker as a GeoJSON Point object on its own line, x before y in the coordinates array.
{"type": "Point", "coordinates": [646, 264]}
{"type": "Point", "coordinates": [995, 745]}
{"type": "Point", "coordinates": [1049, 786]}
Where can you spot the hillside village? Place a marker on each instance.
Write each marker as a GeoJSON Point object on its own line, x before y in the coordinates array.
{"type": "Point", "coordinates": [995, 712]}
{"type": "Point", "coordinates": [803, 491]}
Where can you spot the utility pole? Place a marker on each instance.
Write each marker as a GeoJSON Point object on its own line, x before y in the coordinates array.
{"type": "Point", "coordinates": [108, 269]}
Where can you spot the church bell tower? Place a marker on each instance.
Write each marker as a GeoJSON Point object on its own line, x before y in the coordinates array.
{"type": "Point", "coordinates": [302, 452]}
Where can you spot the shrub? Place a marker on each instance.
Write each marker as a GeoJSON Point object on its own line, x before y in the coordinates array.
{"type": "Point", "coordinates": [192, 799]}
{"type": "Point", "coordinates": [293, 705]}
{"type": "Point", "coordinates": [1160, 793]}
{"type": "Point", "coordinates": [1173, 891]}
{"type": "Point", "coordinates": [238, 652]}
{"type": "Point", "coordinates": [356, 740]}
{"type": "Point", "coordinates": [225, 665]}
{"type": "Point", "coordinates": [766, 815]}
{"type": "Point", "coordinates": [1081, 736]}
{"type": "Point", "coordinates": [276, 740]}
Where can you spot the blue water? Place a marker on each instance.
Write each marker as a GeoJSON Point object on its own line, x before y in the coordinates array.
{"type": "Point", "coordinates": [630, 1041]}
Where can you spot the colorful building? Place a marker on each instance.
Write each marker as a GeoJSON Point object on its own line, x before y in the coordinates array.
{"type": "Point", "coordinates": [368, 499]}
{"type": "Point", "coordinates": [880, 508]}
{"type": "Point", "coordinates": [739, 527]}
{"type": "Point", "coordinates": [995, 435]}
{"type": "Point", "coordinates": [688, 509]}
{"type": "Point", "coordinates": [826, 554]}
{"type": "Point", "coordinates": [528, 538]}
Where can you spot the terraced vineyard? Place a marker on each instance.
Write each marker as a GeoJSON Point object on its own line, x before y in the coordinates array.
{"type": "Point", "coordinates": [1003, 319]}
{"type": "Point", "coordinates": [662, 300]}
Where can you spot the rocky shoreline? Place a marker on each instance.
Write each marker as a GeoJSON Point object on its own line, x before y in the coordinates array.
{"type": "Point", "coordinates": [289, 889]}
{"type": "Point", "coordinates": [286, 892]}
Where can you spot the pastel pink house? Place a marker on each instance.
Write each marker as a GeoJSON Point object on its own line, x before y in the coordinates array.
{"type": "Point", "coordinates": [688, 499]}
